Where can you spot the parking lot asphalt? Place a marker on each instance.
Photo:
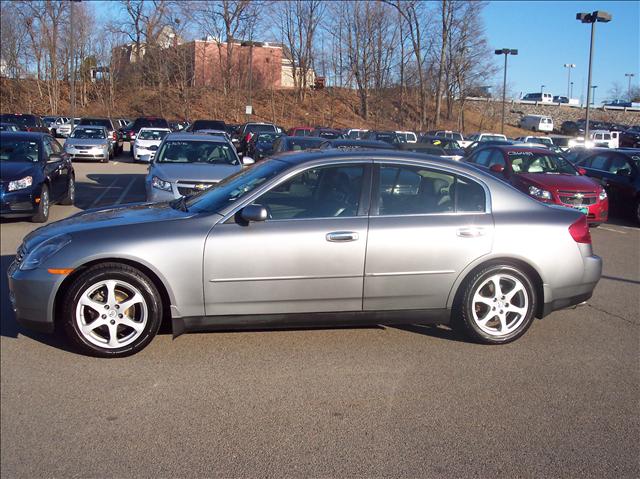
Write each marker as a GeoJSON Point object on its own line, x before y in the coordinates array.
{"type": "Point", "coordinates": [563, 401]}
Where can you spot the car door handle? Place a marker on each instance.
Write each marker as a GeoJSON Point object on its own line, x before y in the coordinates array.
{"type": "Point", "coordinates": [342, 236]}
{"type": "Point", "coordinates": [470, 232]}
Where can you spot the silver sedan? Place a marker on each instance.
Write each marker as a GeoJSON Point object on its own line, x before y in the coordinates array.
{"type": "Point", "coordinates": [377, 237]}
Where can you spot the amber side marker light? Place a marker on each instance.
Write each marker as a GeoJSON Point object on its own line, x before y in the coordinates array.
{"type": "Point", "coordinates": [59, 271]}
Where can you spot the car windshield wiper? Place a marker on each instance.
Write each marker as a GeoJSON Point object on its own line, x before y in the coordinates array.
{"type": "Point", "coordinates": [180, 204]}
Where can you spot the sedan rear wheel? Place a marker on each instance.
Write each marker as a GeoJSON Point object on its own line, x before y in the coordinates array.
{"type": "Point", "coordinates": [42, 214]}
{"type": "Point", "coordinates": [497, 305]}
{"type": "Point", "coordinates": [112, 310]}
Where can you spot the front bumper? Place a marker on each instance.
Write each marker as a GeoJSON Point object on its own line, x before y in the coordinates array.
{"type": "Point", "coordinates": [95, 155]}
{"type": "Point", "coordinates": [32, 296]}
{"type": "Point", "coordinates": [568, 296]}
{"type": "Point", "coordinates": [16, 204]}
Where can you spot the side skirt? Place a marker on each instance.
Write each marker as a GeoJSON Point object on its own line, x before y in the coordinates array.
{"type": "Point", "coordinates": [308, 320]}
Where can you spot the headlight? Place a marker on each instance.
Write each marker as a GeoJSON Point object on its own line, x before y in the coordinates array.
{"type": "Point", "coordinates": [20, 184]}
{"type": "Point", "coordinates": [160, 184]}
{"type": "Point", "coordinates": [44, 251]}
{"type": "Point", "coordinates": [603, 195]}
{"type": "Point", "coordinates": [539, 193]}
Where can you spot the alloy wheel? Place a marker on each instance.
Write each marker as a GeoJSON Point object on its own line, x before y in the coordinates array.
{"type": "Point", "coordinates": [111, 314]}
{"type": "Point", "coordinates": [500, 304]}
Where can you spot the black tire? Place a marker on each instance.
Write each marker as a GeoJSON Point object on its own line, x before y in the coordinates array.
{"type": "Point", "coordinates": [42, 215]}
{"type": "Point", "coordinates": [638, 211]}
{"type": "Point", "coordinates": [118, 272]}
{"type": "Point", "coordinates": [70, 197]}
{"type": "Point", "coordinates": [462, 318]}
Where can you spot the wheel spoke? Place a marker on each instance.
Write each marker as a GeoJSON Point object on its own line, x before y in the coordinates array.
{"type": "Point", "coordinates": [132, 324]}
{"type": "Point", "coordinates": [515, 309]}
{"type": "Point", "coordinates": [88, 328]}
{"type": "Point", "coordinates": [485, 319]}
{"type": "Point", "coordinates": [496, 286]}
{"type": "Point", "coordinates": [90, 303]}
{"type": "Point", "coordinates": [503, 322]}
{"type": "Point", "coordinates": [478, 298]}
{"type": "Point", "coordinates": [137, 298]}
{"type": "Point", "coordinates": [113, 338]}
{"type": "Point", "coordinates": [516, 289]}
{"type": "Point", "coordinates": [111, 291]}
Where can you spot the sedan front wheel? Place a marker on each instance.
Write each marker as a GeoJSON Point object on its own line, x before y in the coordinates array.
{"type": "Point", "coordinates": [112, 310]}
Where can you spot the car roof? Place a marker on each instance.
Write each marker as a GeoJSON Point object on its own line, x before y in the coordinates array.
{"type": "Point", "coordinates": [92, 127]}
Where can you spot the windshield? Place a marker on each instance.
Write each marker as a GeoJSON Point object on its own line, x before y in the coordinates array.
{"type": "Point", "coordinates": [446, 144]}
{"type": "Point", "coordinates": [530, 162]}
{"type": "Point", "coordinates": [152, 134]}
{"type": "Point", "coordinates": [329, 135]}
{"type": "Point", "coordinates": [23, 151]}
{"type": "Point", "coordinates": [142, 122]}
{"type": "Point", "coordinates": [234, 187]}
{"type": "Point", "coordinates": [540, 141]}
{"type": "Point", "coordinates": [208, 125]}
{"type": "Point", "coordinates": [213, 152]}
{"type": "Point", "coordinates": [88, 133]}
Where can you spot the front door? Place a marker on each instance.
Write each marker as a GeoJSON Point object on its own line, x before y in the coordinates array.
{"type": "Point", "coordinates": [308, 256]}
{"type": "Point", "coordinates": [426, 226]}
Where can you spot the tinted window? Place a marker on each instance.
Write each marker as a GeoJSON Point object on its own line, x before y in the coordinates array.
{"type": "Point", "coordinates": [326, 192]}
{"type": "Point", "coordinates": [97, 122]}
{"type": "Point", "coordinates": [619, 163]}
{"type": "Point", "coordinates": [258, 128]}
{"type": "Point", "coordinates": [152, 134]}
{"type": "Point", "coordinates": [55, 146]}
{"type": "Point", "coordinates": [88, 133]}
{"type": "Point", "coordinates": [157, 122]}
{"type": "Point", "coordinates": [208, 125]}
{"type": "Point", "coordinates": [22, 120]}
{"type": "Point", "coordinates": [496, 158]}
{"type": "Point", "coordinates": [482, 158]}
{"type": "Point", "coordinates": [301, 143]}
{"type": "Point", "coordinates": [406, 190]}
{"type": "Point", "coordinates": [599, 162]}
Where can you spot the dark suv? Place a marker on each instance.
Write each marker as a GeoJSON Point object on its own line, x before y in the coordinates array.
{"type": "Point", "coordinates": [114, 138]}
{"type": "Point", "coordinates": [130, 132]}
{"type": "Point", "coordinates": [25, 122]}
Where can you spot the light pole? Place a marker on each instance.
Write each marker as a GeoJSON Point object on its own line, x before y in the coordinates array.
{"type": "Point", "coordinates": [571, 91]}
{"type": "Point", "coordinates": [593, 94]}
{"type": "Point", "coordinates": [592, 18]}
{"type": "Point", "coordinates": [506, 52]}
{"type": "Point", "coordinates": [542, 90]}
{"type": "Point", "coordinates": [72, 48]}
{"type": "Point", "coordinates": [569, 66]}
{"type": "Point", "coordinates": [629, 76]}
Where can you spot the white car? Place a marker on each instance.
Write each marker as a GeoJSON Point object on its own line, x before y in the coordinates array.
{"type": "Point", "coordinates": [609, 139]}
{"type": "Point", "coordinates": [541, 140]}
{"type": "Point", "coordinates": [409, 136]}
{"type": "Point", "coordinates": [487, 137]}
{"type": "Point", "coordinates": [537, 123]}
{"type": "Point", "coordinates": [65, 129]}
{"type": "Point", "coordinates": [454, 135]}
{"type": "Point", "coordinates": [147, 142]}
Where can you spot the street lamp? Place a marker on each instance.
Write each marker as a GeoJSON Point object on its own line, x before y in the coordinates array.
{"type": "Point", "coordinates": [592, 18]}
{"type": "Point", "coordinates": [630, 76]}
{"type": "Point", "coordinates": [542, 90]}
{"type": "Point", "coordinates": [506, 52]}
{"type": "Point", "coordinates": [569, 66]}
{"type": "Point", "coordinates": [571, 91]}
{"type": "Point", "coordinates": [72, 48]}
{"type": "Point", "coordinates": [593, 94]}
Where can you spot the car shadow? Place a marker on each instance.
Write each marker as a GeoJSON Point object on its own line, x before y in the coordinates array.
{"type": "Point", "coordinates": [622, 280]}
{"type": "Point", "coordinates": [433, 331]}
{"type": "Point", "coordinates": [621, 220]}
{"type": "Point", "coordinates": [106, 189]}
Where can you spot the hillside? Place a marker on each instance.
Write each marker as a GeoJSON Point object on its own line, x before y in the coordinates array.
{"type": "Point", "coordinates": [331, 107]}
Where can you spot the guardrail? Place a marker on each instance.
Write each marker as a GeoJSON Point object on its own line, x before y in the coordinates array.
{"type": "Point", "coordinates": [539, 103]}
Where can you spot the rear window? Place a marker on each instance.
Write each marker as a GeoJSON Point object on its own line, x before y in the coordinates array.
{"type": "Point", "coordinates": [208, 125]}
{"type": "Point", "coordinates": [143, 122]}
{"type": "Point", "coordinates": [297, 144]}
{"type": "Point", "coordinates": [152, 134]}
{"type": "Point", "coordinates": [88, 133]}
{"type": "Point", "coordinates": [97, 122]}
{"type": "Point", "coordinates": [259, 128]}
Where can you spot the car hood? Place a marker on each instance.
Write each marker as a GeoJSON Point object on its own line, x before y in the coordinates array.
{"type": "Point", "coordinates": [97, 218]}
{"type": "Point", "coordinates": [86, 141]}
{"type": "Point", "coordinates": [193, 171]}
{"type": "Point", "coordinates": [14, 170]}
{"type": "Point", "coordinates": [558, 182]}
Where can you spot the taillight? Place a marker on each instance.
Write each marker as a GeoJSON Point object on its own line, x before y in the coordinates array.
{"type": "Point", "coordinates": [115, 137]}
{"type": "Point", "coordinates": [579, 231]}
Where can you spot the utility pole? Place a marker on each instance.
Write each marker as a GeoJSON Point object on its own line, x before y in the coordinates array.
{"type": "Point", "coordinates": [569, 66]}
{"type": "Point", "coordinates": [629, 76]}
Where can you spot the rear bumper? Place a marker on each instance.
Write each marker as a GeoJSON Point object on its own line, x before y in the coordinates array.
{"type": "Point", "coordinates": [568, 296]}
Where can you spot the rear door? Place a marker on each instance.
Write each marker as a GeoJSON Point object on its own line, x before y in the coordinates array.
{"type": "Point", "coordinates": [426, 225]}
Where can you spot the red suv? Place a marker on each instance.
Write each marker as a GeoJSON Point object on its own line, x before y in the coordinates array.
{"type": "Point", "coordinates": [546, 176]}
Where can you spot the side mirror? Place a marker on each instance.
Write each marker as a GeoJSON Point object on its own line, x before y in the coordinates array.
{"type": "Point", "coordinates": [54, 157]}
{"type": "Point", "coordinates": [253, 213]}
{"type": "Point", "coordinates": [497, 168]}
{"type": "Point", "coordinates": [247, 160]}
{"type": "Point", "coordinates": [582, 171]}
{"type": "Point", "coordinates": [145, 158]}
{"type": "Point", "coordinates": [153, 147]}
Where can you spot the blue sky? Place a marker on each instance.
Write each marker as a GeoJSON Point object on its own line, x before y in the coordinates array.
{"type": "Point", "coordinates": [547, 36]}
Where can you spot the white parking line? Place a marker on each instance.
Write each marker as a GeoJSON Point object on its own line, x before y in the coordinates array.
{"type": "Point", "coordinates": [614, 230]}
{"type": "Point", "coordinates": [125, 191]}
{"type": "Point", "coordinates": [101, 195]}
